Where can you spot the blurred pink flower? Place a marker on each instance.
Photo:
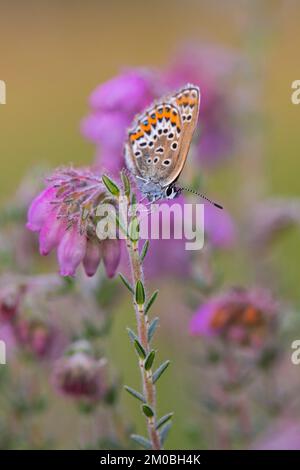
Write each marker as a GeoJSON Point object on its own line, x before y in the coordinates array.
{"type": "Point", "coordinates": [79, 374]}
{"type": "Point", "coordinates": [39, 337]}
{"type": "Point", "coordinates": [113, 107]}
{"type": "Point", "coordinates": [64, 214]}
{"type": "Point", "coordinates": [239, 315]}
{"type": "Point", "coordinates": [283, 436]}
{"type": "Point", "coordinates": [219, 227]}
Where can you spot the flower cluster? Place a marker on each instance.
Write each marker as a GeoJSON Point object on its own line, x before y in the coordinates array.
{"type": "Point", "coordinates": [64, 214]}
{"type": "Point", "coordinates": [78, 374]}
{"type": "Point", "coordinates": [241, 316]}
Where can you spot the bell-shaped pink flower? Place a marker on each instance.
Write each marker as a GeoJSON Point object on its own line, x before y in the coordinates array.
{"type": "Point", "coordinates": [39, 209]}
{"type": "Point", "coordinates": [92, 257]}
{"type": "Point", "coordinates": [71, 251]}
{"type": "Point", "coordinates": [111, 253]}
{"type": "Point", "coordinates": [51, 233]}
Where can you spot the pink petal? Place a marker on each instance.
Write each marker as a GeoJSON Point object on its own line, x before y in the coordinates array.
{"type": "Point", "coordinates": [71, 251]}
{"type": "Point", "coordinates": [39, 209]}
{"type": "Point", "coordinates": [92, 257]}
{"type": "Point", "coordinates": [111, 252]}
{"type": "Point", "coordinates": [51, 234]}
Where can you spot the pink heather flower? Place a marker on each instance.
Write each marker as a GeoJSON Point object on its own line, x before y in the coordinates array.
{"type": "Point", "coordinates": [64, 214]}
{"type": "Point", "coordinates": [239, 315]}
{"type": "Point", "coordinates": [168, 257]}
{"type": "Point", "coordinates": [79, 374]}
{"type": "Point", "coordinates": [113, 107]}
{"type": "Point", "coordinates": [38, 337]}
{"type": "Point", "coordinates": [39, 209]}
{"type": "Point", "coordinates": [219, 227]}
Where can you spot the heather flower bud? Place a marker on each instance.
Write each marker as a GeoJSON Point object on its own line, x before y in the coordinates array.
{"type": "Point", "coordinates": [79, 374]}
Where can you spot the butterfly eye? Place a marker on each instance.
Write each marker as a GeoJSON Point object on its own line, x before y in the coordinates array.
{"type": "Point", "coordinates": [169, 191]}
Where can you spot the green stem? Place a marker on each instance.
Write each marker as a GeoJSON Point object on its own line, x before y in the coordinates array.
{"type": "Point", "coordinates": [142, 328]}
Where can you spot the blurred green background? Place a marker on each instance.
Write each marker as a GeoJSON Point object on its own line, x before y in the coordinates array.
{"type": "Point", "coordinates": [53, 54]}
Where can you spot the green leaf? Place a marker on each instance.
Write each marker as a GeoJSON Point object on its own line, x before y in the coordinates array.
{"type": "Point", "coordinates": [110, 185]}
{"type": "Point", "coordinates": [133, 199]}
{"type": "Point", "coordinates": [134, 229]}
{"type": "Point", "coordinates": [139, 293]}
{"type": "Point", "coordinates": [132, 336]}
{"type": "Point", "coordinates": [126, 283]}
{"type": "Point", "coordinates": [152, 328]}
{"type": "Point", "coordinates": [160, 371]}
{"type": "Point", "coordinates": [139, 349]}
{"type": "Point", "coordinates": [144, 250]}
{"type": "Point", "coordinates": [142, 441]}
{"type": "Point", "coordinates": [147, 410]}
{"type": "Point", "coordinates": [126, 183]}
{"type": "Point", "coordinates": [164, 420]}
{"type": "Point", "coordinates": [135, 394]}
{"type": "Point", "coordinates": [151, 301]}
{"type": "Point", "coordinates": [149, 360]}
{"type": "Point", "coordinates": [164, 432]}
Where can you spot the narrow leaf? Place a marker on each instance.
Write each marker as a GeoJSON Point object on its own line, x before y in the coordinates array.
{"type": "Point", "coordinates": [164, 420]}
{"type": "Point", "coordinates": [142, 441]}
{"type": "Point", "coordinates": [135, 394]}
{"type": "Point", "coordinates": [126, 183]}
{"type": "Point", "coordinates": [133, 199]}
{"type": "Point", "coordinates": [149, 360]}
{"type": "Point", "coordinates": [164, 432]}
{"type": "Point", "coordinates": [139, 349]}
{"type": "Point", "coordinates": [139, 293]}
{"type": "Point", "coordinates": [152, 328]}
{"type": "Point", "coordinates": [160, 371]}
{"type": "Point", "coordinates": [151, 301]}
{"type": "Point", "coordinates": [134, 229]}
{"type": "Point", "coordinates": [147, 410]}
{"type": "Point", "coordinates": [132, 336]}
{"type": "Point", "coordinates": [126, 283]}
{"type": "Point", "coordinates": [110, 185]}
{"type": "Point", "coordinates": [144, 250]}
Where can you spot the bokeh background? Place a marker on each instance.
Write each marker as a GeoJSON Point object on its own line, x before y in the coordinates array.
{"type": "Point", "coordinates": [52, 55]}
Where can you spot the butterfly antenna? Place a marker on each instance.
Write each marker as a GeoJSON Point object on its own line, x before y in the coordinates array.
{"type": "Point", "coordinates": [202, 195]}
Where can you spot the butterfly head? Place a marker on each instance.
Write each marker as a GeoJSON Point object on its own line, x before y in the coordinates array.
{"type": "Point", "coordinates": [171, 192]}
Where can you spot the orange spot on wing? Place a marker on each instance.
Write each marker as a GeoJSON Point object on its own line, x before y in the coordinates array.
{"type": "Point", "coordinates": [136, 135]}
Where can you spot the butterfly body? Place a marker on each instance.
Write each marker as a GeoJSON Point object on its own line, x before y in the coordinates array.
{"type": "Point", "coordinates": [159, 141]}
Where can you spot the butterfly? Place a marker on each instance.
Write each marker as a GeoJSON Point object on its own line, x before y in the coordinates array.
{"type": "Point", "coordinates": [158, 143]}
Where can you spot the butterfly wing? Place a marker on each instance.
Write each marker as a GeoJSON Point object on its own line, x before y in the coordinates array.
{"type": "Point", "coordinates": [160, 138]}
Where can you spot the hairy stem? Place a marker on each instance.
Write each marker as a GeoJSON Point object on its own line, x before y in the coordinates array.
{"type": "Point", "coordinates": [142, 328]}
